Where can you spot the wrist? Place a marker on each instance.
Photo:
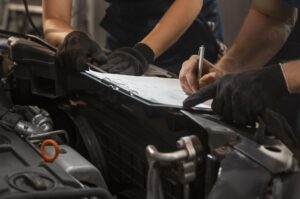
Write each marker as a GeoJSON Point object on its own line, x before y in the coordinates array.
{"type": "Point", "coordinates": [76, 32]}
{"type": "Point", "coordinates": [274, 78]}
{"type": "Point", "coordinates": [146, 51]}
{"type": "Point", "coordinates": [285, 77]}
{"type": "Point", "coordinates": [232, 64]}
{"type": "Point", "coordinates": [227, 65]}
{"type": "Point", "coordinates": [291, 73]}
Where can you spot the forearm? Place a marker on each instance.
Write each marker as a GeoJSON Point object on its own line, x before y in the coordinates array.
{"type": "Point", "coordinates": [56, 20]}
{"type": "Point", "coordinates": [291, 72]}
{"type": "Point", "coordinates": [172, 25]}
{"type": "Point", "coordinates": [55, 31]}
{"type": "Point", "coordinates": [262, 35]}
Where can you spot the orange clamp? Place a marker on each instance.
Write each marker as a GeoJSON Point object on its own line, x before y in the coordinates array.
{"type": "Point", "coordinates": [48, 158]}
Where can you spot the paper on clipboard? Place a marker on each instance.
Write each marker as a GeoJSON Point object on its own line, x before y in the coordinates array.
{"type": "Point", "coordinates": [157, 90]}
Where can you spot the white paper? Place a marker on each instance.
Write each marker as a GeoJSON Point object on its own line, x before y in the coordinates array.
{"type": "Point", "coordinates": [158, 90]}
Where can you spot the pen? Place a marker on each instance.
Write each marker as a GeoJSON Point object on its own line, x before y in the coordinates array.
{"type": "Point", "coordinates": [200, 60]}
{"type": "Point", "coordinates": [92, 66]}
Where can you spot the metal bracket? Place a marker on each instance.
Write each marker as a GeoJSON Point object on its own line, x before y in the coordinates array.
{"type": "Point", "coordinates": [40, 126]}
{"type": "Point", "coordinates": [190, 149]}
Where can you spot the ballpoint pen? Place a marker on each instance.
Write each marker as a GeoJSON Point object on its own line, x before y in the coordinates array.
{"type": "Point", "coordinates": [200, 61]}
{"type": "Point", "coordinates": [92, 66]}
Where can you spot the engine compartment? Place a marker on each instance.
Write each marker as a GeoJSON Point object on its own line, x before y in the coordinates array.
{"type": "Point", "coordinates": [112, 145]}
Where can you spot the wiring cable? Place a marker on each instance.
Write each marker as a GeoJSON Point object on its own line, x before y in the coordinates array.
{"type": "Point", "coordinates": [30, 18]}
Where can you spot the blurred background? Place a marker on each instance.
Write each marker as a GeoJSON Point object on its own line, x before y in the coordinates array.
{"type": "Point", "coordinates": [88, 13]}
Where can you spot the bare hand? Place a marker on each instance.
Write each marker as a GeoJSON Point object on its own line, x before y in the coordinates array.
{"type": "Point", "coordinates": [188, 75]}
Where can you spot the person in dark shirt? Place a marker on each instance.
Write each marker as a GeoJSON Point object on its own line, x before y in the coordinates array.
{"type": "Point", "coordinates": [139, 32]}
{"type": "Point", "coordinates": [242, 88]}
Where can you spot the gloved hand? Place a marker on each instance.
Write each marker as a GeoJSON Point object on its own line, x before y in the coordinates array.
{"type": "Point", "coordinates": [239, 98]}
{"type": "Point", "coordinates": [77, 50]}
{"type": "Point", "coordinates": [129, 61]}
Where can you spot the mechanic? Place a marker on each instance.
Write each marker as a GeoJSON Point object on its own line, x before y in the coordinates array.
{"type": "Point", "coordinates": [139, 32]}
{"type": "Point", "coordinates": [247, 88]}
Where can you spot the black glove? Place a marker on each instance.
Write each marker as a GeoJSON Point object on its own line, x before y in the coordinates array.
{"type": "Point", "coordinates": [129, 61]}
{"type": "Point", "coordinates": [77, 50]}
{"type": "Point", "coordinates": [239, 98]}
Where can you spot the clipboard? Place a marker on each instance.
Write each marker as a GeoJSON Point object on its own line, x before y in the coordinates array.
{"type": "Point", "coordinates": [134, 95]}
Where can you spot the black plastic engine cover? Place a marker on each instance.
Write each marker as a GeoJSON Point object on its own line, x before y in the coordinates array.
{"type": "Point", "coordinates": [37, 74]}
{"type": "Point", "coordinates": [24, 174]}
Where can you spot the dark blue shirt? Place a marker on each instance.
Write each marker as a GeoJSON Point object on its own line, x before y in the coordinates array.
{"type": "Point", "coordinates": [137, 17]}
{"type": "Point", "coordinates": [129, 21]}
{"type": "Point", "coordinates": [295, 3]}
{"type": "Point", "coordinates": [210, 12]}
